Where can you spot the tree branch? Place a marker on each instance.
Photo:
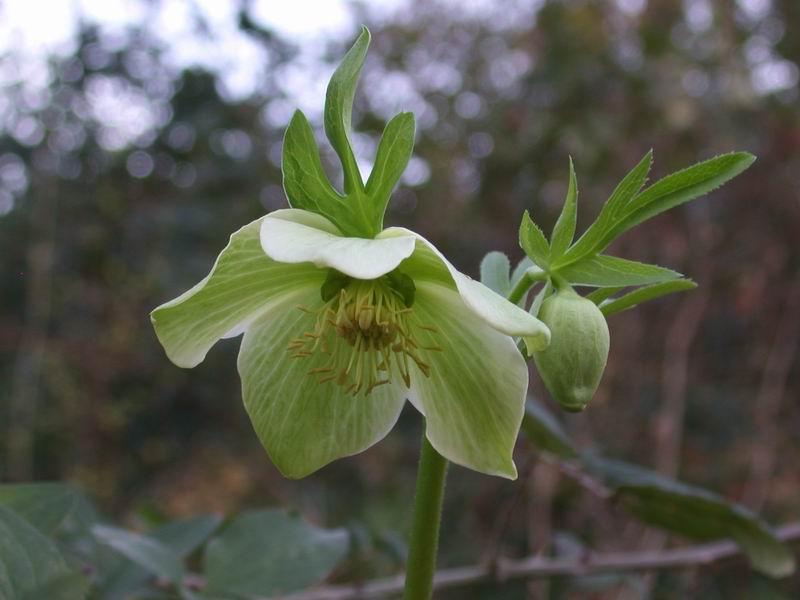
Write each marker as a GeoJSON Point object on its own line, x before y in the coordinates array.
{"type": "Point", "coordinates": [536, 566]}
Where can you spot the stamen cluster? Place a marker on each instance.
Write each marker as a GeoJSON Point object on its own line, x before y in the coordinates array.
{"type": "Point", "coordinates": [368, 333]}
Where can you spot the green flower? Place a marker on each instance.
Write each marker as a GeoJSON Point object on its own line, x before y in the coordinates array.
{"type": "Point", "coordinates": [344, 320]}
{"type": "Point", "coordinates": [340, 331]}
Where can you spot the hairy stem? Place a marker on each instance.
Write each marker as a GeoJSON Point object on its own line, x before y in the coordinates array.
{"type": "Point", "coordinates": [421, 564]}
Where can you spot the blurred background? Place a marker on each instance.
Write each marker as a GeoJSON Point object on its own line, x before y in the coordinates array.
{"type": "Point", "coordinates": [136, 135]}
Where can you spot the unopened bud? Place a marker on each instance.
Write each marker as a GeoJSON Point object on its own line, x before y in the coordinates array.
{"type": "Point", "coordinates": [573, 364]}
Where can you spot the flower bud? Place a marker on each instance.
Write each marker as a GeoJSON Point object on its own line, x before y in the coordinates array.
{"type": "Point", "coordinates": [572, 366]}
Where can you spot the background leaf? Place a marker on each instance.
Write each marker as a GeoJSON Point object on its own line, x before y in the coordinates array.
{"type": "Point", "coordinates": [611, 271]}
{"type": "Point", "coordinates": [269, 552]}
{"type": "Point", "coordinates": [43, 505]}
{"type": "Point", "coordinates": [145, 551]}
{"type": "Point", "coordinates": [544, 430]}
{"type": "Point", "coordinates": [694, 513]}
{"type": "Point", "coordinates": [29, 562]}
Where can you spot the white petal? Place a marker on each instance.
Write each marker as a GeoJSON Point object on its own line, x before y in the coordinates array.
{"type": "Point", "coordinates": [427, 263]}
{"type": "Point", "coordinates": [291, 236]}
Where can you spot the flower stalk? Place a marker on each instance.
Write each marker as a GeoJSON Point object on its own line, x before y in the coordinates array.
{"type": "Point", "coordinates": [421, 563]}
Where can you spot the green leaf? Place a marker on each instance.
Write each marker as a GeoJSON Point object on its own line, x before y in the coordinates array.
{"type": "Point", "coordinates": [270, 552]}
{"type": "Point", "coordinates": [564, 229]}
{"type": "Point", "coordinates": [145, 551]}
{"type": "Point", "coordinates": [43, 505]}
{"type": "Point", "coordinates": [593, 239]}
{"type": "Point", "coordinates": [611, 271]}
{"type": "Point", "coordinates": [597, 296]}
{"type": "Point", "coordinates": [683, 186]}
{"type": "Point", "coordinates": [394, 152]}
{"type": "Point", "coordinates": [644, 294]}
{"type": "Point", "coordinates": [29, 562]}
{"type": "Point", "coordinates": [122, 577]}
{"type": "Point", "coordinates": [533, 242]}
{"type": "Point", "coordinates": [544, 430]}
{"type": "Point", "coordinates": [693, 512]}
{"type": "Point", "coordinates": [339, 108]}
{"type": "Point", "coordinates": [304, 179]}
{"type": "Point", "coordinates": [666, 193]}
{"type": "Point", "coordinates": [495, 267]}
{"type": "Point", "coordinates": [69, 586]}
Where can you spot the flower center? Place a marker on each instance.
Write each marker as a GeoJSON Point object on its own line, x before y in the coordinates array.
{"type": "Point", "coordinates": [368, 335]}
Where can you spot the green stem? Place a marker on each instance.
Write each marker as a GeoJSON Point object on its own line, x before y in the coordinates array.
{"type": "Point", "coordinates": [421, 564]}
{"type": "Point", "coordinates": [525, 283]}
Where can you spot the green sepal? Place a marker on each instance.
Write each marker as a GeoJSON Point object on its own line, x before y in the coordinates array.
{"type": "Point", "coordinates": [339, 109]}
{"type": "Point", "coordinates": [394, 152]}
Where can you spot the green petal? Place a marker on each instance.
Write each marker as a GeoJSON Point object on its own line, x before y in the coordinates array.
{"type": "Point", "coordinates": [241, 285]}
{"type": "Point", "coordinates": [474, 398]}
{"type": "Point", "coordinates": [428, 264]}
{"type": "Point", "coordinates": [303, 424]}
{"type": "Point", "coordinates": [292, 236]}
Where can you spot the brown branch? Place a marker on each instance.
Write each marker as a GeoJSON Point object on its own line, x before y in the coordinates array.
{"type": "Point", "coordinates": [536, 566]}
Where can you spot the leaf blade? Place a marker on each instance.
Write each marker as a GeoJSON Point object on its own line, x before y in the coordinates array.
{"type": "Point", "coordinates": [611, 271]}
{"type": "Point", "coordinates": [394, 152]}
{"type": "Point", "coordinates": [533, 242]}
{"type": "Point", "coordinates": [644, 294]}
{"type": "Point", "coordinates": [564, 229]}
{"type": "Point", "coordinates": [339, 108]}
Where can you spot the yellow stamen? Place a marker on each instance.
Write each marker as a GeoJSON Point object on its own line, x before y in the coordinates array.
{"type": "Point", "coordinates": [370, 336]}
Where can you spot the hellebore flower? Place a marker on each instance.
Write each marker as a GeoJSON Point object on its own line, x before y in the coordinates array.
{"type": "Point", "coordinates": [339, 331]}
{"type": "Point", "coordinates": [344, 320]}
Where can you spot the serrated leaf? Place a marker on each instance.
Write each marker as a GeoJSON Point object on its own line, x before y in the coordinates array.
{"type": "Point", "coordinates": [394, 152]}
{"type": "Point", "coordinates": [693, 512]}
{"type": "Point", "coordinates": [564, 229]}
{"type": "Point", "coordinates": [544, 430]}
{"type": "Point", "coordinates": [683, 186]}
{"type": "Point", "coordinates": [650, 292]}
{"type": "Point", "coordinates": [669, 192]}
{"type": "Point", "coordinates": [339, 109]}
{"type": "Point", "coordinates": [147, 552]}
{"type": "Point", "coordinates": [29, 562]}
{"type": "Point", "coordinates": [269, 552]}
{"type": "Point", "coordinates": [43, 505]}
{"type": "Point", "coordinates": [591, 242]}
{"type": "Point", "coordinates": [304, 179]}
{"type": "Point", "coordinates": [611, 271]}
{"type": "Point", "coordinates": [495, 268]}
{"type": "Point", "coordinates": [533, 242]}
